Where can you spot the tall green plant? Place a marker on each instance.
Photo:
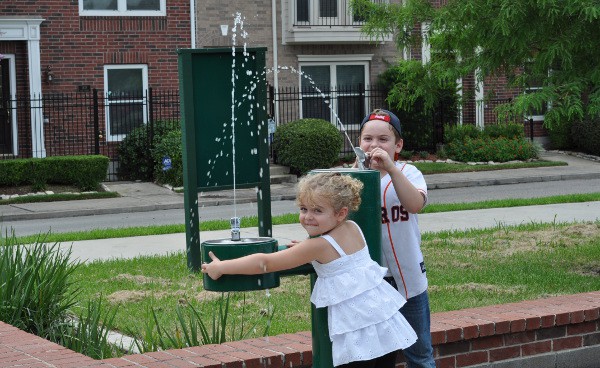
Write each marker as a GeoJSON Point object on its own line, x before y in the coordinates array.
{"type": "Point", "coordinates": [419, 97]}
{"type": "Point", "coordinates": [88, 333]}
{"type": "Point", "coordinates": [547, 43]}
{"type": "Point", "coordinates": [193, 328]}
{"type": "Point", "coordinates": [36, 291]}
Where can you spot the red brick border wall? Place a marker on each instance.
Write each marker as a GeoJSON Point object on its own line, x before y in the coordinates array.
{"type": "Point", "coordinates": [461, 338]}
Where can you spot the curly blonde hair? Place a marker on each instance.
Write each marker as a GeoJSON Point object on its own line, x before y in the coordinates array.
{"type": "Point", "coordinates": [336, 189]}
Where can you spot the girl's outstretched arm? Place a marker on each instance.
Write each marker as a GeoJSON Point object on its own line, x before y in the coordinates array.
{"type": "Point", "coordinates": [258, 263]}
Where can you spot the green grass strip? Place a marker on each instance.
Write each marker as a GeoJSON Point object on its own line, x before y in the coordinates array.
{"type": "Point", "coordinates": [428, 168]}
{"type": "Point", "coordinates": [291, 218]}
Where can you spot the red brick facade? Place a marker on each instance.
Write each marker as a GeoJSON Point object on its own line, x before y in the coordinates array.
{"type": "Point", "coordinates": [76, 48]}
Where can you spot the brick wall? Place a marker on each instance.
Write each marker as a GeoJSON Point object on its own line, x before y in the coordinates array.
{"type": "Point", "coordinates": [76, 48]}
{"type": "Point", "coordinates": [559, 332]}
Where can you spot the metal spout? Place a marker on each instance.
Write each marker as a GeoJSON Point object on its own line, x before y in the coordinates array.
{"type": "Point", "coordinates": [235, 228]}
{"type": "Point", "coordinates": [363, 159]}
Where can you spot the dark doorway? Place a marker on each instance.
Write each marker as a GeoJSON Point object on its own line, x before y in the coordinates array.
{"type": "Point", "coordinates": [5, 120]}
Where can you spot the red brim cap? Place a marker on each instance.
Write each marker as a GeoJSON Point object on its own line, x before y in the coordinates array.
{"type": "Point", "coordinates": [390, 118]}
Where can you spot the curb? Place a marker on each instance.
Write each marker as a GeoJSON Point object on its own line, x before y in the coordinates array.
{"type": "Point", "coordinates": [208, 202]}
{"type": "Point", "coordinates": [514, 180]}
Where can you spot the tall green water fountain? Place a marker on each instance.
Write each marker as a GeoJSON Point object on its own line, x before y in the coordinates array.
{"type": "Point", "coordinates": [215, 124]}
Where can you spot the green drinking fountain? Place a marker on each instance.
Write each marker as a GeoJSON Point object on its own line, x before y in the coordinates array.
{"type": "Point", "coordinates": [209, 78]}
{"type": "Point", "coordinates": [368, 217]}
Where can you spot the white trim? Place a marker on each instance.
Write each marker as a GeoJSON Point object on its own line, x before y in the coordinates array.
{"type": "Point", "coordinates": [346, 58]}
{"type": "Point", "coordinates": [479, 105]}
{"type": "Point", "coordinates": [144, 70]}
{"type": "Point", "coordinates": [123, 12]}
{"type": "Point", "coordinates": [15, 28]}
{"type": "Point", "coordinates": [425, 45]}
{"type": "Point", "coordinates": [193, 23]}
{"type": "Point", "coordinates": [332, 61]}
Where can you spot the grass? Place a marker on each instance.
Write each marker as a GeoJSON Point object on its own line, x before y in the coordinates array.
{"type": "Point", "coordinates": [465, 269]}
{"type": "Point", "coordinates": [428, 168]}
{"type": "Point", "coordinates": [291, 218]}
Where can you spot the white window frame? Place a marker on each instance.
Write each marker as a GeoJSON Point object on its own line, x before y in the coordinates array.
{"type": "Point", "coordinates": [122, 11]}
{"type": "Point", "coordinates": [144, 68]}
{"type": "Point", "coordinates": [332, 61]}
{"type": "Point", "coordinates": [548, 103]}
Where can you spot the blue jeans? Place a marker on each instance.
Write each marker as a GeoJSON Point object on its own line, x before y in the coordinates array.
{"type": "Point", "coordinates": [416, 311]}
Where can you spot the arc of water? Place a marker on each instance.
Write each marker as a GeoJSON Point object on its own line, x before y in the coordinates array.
{"type": "Point", "coordinates": [338, 121]}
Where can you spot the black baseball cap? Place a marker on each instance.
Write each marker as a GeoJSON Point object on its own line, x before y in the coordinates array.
{"type": "Point", "coordinates": [383, 115]}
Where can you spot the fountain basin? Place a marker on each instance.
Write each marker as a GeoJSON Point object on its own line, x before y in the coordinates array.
{"type": "Point", "coordinates": [229, 249]}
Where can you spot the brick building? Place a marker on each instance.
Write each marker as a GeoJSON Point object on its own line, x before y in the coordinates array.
{"type": "Point", "coordinates": [67, 47]}
{"type": "Point", "coordinates": [122, 48]}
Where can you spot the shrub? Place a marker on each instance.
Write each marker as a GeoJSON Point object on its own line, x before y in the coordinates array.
{"type": "Point", "coordinates": [169, 147]}
{"type": "Point", "coordinates": [307, 144]}
{"type": "Point", "coordinates": [491, 149]}
{"type": "Point", "coordinates": [460, 132]}
{"type": "Point", "coordinates": [135, 150]}
{"type": "Point", "coordinates": [406, 154]}
{"type": "Point", "coordinates": [497, 142]}
{"type": "Point", "coordinates": [506, 130]}
{"type": "Point", "coordinates": [86, 172]}
{"type": "Point", "coordinates": [561, 136]}
{"type": "Point", "coordinates": [586, 135]}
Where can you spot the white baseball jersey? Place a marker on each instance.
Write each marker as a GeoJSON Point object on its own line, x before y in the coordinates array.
{"type": "Point", "coordinates": [401, 237]}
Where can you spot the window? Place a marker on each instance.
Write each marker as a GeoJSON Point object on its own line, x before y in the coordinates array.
{"type": "Point", "coordinates": [125, 88]}
{"type": "Point", "coordinates": [534, 83]}
{"type": "Point", "coordinates": [123, 7]}
{"type": "Point", "coordinates": [324, 13]}
{"type": "Point", "coordinates": [333, 89]}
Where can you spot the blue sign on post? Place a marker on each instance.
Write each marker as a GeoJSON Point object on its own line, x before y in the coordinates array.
{"type": "Point", "coordinates": [166, 161]}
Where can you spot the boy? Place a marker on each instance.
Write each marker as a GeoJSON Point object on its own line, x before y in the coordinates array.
{"type": "Point", "coordinates": [403, 194]}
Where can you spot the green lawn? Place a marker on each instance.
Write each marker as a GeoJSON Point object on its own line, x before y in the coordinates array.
{"type": "Point", "coordinates": [465, 269]}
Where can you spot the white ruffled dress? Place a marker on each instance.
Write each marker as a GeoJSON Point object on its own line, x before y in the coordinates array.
{"type": "Point", "coordinates": [364, 321]}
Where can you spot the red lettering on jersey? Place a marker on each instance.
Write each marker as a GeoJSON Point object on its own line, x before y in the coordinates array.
{"type": "Point", "coordinates": [384, 216]}
{"type": "Point", "coordinates": [398, 213]}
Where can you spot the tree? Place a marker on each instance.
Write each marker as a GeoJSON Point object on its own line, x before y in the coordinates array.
{"type": "Point", "coordinates": [552, 43]}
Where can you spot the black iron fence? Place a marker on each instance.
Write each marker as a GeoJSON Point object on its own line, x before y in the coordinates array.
{"type": "Point", "coordinates": [66, 124]}
{"type": "Point", "coordinates": [63, 124]}
{"type": "Point", "coordinates": [346, 106]}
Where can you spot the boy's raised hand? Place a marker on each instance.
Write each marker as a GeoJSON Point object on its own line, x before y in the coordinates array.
{"type": "Point", "coordinates": [381, 160]}
{"type": "Point", "coordinates": [212, 269]}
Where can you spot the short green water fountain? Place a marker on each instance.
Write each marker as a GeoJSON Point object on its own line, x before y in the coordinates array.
{"type": "Point", "coordinates": [214, 126]}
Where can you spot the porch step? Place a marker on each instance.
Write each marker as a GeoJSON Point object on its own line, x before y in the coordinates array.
{"type": "Point", "coordinates": [281, 174]}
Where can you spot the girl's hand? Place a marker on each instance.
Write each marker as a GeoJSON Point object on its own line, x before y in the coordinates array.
{"type": "Point", "coordinates": [380, 160]}
{"type": "Point", "coordinates": [212, 268]}
{"type": "Point", "coordinates": [294, 242]}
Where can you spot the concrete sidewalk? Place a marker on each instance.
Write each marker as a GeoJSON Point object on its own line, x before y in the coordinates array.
{"type": "Point", "coordinates": [141, 197]}
{"type": "Point", "coordinates": [104, 249]}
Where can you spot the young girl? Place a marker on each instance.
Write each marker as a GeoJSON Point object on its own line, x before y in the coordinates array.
{"type": "Point", "coordinates": [365, 326]}
{"type": "Point", "coordinates": [403, 194]}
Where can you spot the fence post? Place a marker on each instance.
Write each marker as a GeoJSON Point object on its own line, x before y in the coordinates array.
{"type": "Point", "coordinates": [96, 123]}
{"type": "Point", "coordinates": [150, 127]}
{"type": "Point", "coordinates": [531, 129]}
{"type": "Point", "coordinates": [271, 97]}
